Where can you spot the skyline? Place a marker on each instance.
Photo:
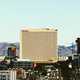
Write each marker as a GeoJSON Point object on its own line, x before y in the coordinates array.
{"type": "Point", "coordinates": [59, 14]}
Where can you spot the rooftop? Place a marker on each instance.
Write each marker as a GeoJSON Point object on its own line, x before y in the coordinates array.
{"type": "Point", "coordinates": [39, 30]}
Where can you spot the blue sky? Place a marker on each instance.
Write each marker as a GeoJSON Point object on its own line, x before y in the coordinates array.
{"type": "Point", "coordinates": [61, 14]}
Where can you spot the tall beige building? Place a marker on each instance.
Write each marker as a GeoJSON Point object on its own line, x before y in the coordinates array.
{"type": "Point", "coordinates": [39, 44]}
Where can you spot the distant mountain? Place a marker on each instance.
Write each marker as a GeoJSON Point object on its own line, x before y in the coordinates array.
{"type": "Point", "coordinates": [66, 50]}
{"type": "Point", "coordinates": [62, 50]}
{"type": "Point", "coordinates": [4, 47]}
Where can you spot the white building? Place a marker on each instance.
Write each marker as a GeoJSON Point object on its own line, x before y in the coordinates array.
{"type": "Point", "coordinates": [7, 75]}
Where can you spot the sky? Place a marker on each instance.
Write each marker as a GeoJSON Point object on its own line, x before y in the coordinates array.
{"type": "Point", "coordinates": [63, 15]}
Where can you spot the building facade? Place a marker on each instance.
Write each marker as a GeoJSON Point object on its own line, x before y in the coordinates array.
{"type": "Point", "coordinates": [7, 75]}
{"type": "Point", "coordinates": [38, 44]}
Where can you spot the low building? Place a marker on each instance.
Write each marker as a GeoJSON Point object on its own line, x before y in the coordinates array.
{"type": "Point", "coordinates": [7, 75]}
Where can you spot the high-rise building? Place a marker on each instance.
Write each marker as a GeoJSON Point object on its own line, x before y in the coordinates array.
{"type": "Point", "coordinates": [39, 44]}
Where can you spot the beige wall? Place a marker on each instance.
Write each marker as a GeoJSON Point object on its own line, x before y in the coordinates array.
{"type": "Point", "coordinates": [39, 45]}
